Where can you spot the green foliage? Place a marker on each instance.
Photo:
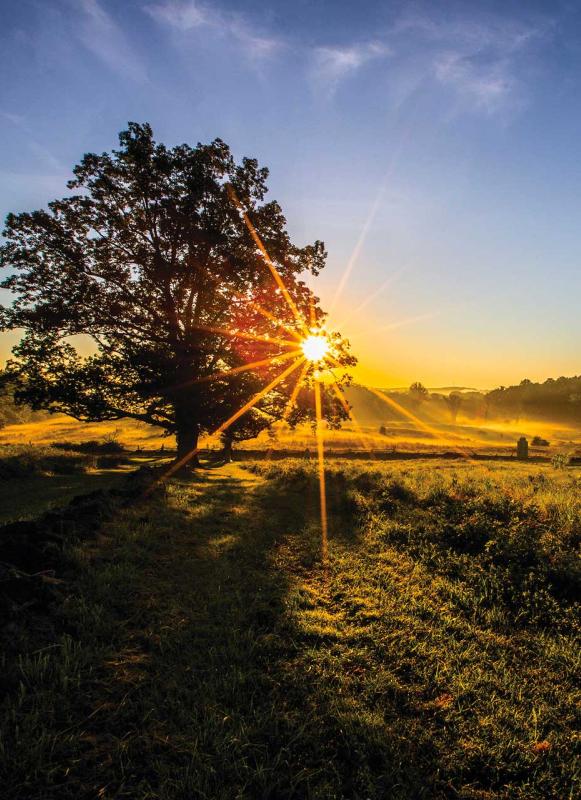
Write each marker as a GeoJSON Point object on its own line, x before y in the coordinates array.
{"type": "Point", "coordinates": [108, 447]}
{"type": "Point", "coordinates": [560, 460]}
{"type": "Point", "coordinates": [454, 402]}
{"type": "Point", "coordinates": [10, 412]}
{"type": "Point", "coordinates": [517, 537]}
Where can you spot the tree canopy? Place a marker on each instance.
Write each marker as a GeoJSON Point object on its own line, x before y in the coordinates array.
{"type": "Point", "coordinates": [181, 274]}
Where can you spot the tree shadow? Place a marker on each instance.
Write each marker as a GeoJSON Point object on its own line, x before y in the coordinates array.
{"type": "Point", "coordinates": [27, 498]}
{"type": "Point", "coordinates": [217, 691]}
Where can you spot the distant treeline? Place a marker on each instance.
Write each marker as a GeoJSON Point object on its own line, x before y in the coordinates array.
{"type": "Point", "coordinates": [557, 399]}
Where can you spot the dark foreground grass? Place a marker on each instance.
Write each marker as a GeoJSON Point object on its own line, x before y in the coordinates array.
{"type": "Point", "coordinates": [201, 650]}
{"type": "Point", "coordinates": [36, 479]}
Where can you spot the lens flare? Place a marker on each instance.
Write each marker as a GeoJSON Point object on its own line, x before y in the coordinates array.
{"type": "Point", "coordinates": [315, 347]}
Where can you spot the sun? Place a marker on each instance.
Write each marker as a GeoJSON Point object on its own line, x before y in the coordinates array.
{"type": "Point", "coordinates": [315, 347]}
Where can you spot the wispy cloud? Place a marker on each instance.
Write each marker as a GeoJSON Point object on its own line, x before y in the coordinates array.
{"type": "Point", "coordinates": [15, 119]}
{"type": "Point", "coordinates": [486, 86]}
{"type": "Point", "coordinates": [181, 15]}
{"type": "Point", "coordinates": [478, 57]}
{"type": "Point", "coordinates": [187, 15]}
{"type": "Point", "coordinates": [98, 32]}
{"type": "Point", "coordinates": [475, 57]}
{"type": "Point", "coordinates": [43, 154]}
{"type": "Point", "coordinates": [334, 64]}
{"type": "Point", "coordinates": [479, 60]}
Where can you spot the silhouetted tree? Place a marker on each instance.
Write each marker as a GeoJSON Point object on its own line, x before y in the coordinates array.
{"type": "Point", "coordinates": [418, 392]}
{"type": "Point", "coordinates": [454, 401]}
{"type": "Point", "coordinates": [152, 260]}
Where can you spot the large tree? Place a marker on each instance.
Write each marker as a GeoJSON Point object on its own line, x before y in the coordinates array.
{"type": "Point", "coordinates": [180, 274]}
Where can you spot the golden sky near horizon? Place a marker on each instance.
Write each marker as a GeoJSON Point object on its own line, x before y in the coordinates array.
{"type": "Point", "coordinates": [424, 349]}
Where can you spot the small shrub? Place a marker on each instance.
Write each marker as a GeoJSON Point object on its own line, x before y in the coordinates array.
{"type": "Point", "coordinates": [93, 446]}
{"type": "Point", "coordinates": [394, 492]}
{"type": "Point", "coordinates": [561, 460]}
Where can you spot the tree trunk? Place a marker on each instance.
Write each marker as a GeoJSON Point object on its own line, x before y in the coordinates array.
{"type": "Point", "coordinates": [187, 435]}
{"type": "Point", "coordinates": [187, 430]}
{"type": "Point", "coordinates": [227, 451]}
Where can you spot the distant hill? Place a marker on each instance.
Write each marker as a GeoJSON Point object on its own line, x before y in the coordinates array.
{"type": "Point", "coordinates": [450, 389]}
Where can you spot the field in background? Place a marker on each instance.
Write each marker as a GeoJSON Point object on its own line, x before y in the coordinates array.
{"type": "Point", "coordinates": [493, 438]}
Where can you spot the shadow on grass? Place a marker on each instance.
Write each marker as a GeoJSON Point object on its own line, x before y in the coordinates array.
{"type": "Point", "coordinates": [210, 687]}
{"type": "Point", "coordinates": [210, 693]}
{"type": "Point", "coordinates": [29, 497]}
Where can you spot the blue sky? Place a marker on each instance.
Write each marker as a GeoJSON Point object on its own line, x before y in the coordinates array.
{"type": "Point", "coordinates": [434, 147]}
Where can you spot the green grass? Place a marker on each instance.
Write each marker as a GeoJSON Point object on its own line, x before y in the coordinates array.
{"type": "Point", "coordinates": [36, 479]}
{"type": "Point", "coordinates": [27, 498]}
{"type": "Point", "coordinates": [202, 650]}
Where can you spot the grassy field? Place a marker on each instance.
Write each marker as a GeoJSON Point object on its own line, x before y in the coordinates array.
{"type": "Point", "coordinates": [199, 648]}
{"type": "Point", "coordinates": [467, 436]}
{"type": "Point", "coordinates": [36, 479]}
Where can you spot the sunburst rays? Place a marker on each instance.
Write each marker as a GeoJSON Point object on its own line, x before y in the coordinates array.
{"type": "Point", "coordinates": [264, 362]}
{"type": "Point", "coordinates": [351, 414]}
{"type": "Point", "coordinates": [184, 460]}
{"type": "Point", "coordinates": [321, 472]}
{"type": "Point", "coordinates": [254, 337]}
{"type": "Point", "coordinates": [267, 260]}
{"type": "Point", "coordinates": [310, 349]}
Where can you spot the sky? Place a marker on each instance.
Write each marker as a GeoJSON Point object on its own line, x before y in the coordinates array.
{"type": "Point", "coordinates": [433, 146]}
